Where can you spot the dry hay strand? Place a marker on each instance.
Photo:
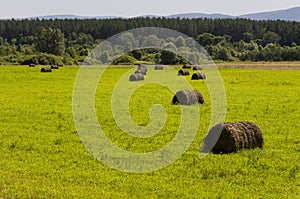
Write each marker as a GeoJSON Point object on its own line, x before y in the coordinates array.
{"type": "Point", "coordinates": [197, 76]}
{"type": "Point", "coordinates": [197, 68]}
{"type": "Point", "coordinates": [158, 67]}
{"type": "Point", "coordinates": [31, 65]}
{"type": "Point", "coordinates": [233, 136]}
{"type": "Point", "coordinates": [46, 70]}
{"type": "Point", "coordinates": [183, 73]}
{"type": "Point", "coordinates": [188, 97]}
{"type": "Point", "coordinates": [136, 77]}
{"type": "Point", "coordinates": [54, 67]}
{"type": "Point", "coordinates": [186, 66]}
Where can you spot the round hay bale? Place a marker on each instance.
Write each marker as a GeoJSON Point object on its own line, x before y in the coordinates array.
{"type": "Point", "coordinates": [197, 68]}
{"type": "Point", "coordinates": [46, 70]}
{"type": "Point", "coordinates": [140, 71]}
{"type": "Point", "coordinates": [199, 96]}
{"type": "Point", "coordinates": [188, 97]}
{"type": "Point", "coordinates": [54, 67]}
{"type": "Point", "coordinates": [142, 67]}
{"type": "Point", "coordinates": [31, 65]}
{"type": "Point", "coordinates": [136, 77]}
{"type": "Point", "coordinates": [158, 67]}
{"type": "Point", "coordinates": [60, 65]}
{"type": "Point", "coordinates": [186, 66]}
{"type": "Point", "coordinates": [197, 76]}
{"type": "Point", "coordinates": [234, 136]}
{"type": "Point", "coordinates": [183, 73]}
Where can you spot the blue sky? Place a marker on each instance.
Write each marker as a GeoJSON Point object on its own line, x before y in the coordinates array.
{"type": "Point", "coordinates": [26, 8]}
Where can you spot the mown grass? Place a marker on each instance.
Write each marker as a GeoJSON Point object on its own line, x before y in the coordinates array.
{"type": "Point", "coordinates": [43, 157]}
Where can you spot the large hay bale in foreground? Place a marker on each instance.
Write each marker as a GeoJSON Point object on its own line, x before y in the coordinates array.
{"type": "Point", "coordinates": [158, 67]}
{"type": "Point", "coordinates": [183, 73]}
{"type": "Point", "coordinates": [54, 67]}
{"type": "Point", "coordinates": [188, 97]}
{"type": "Point", "coordinates": [232, 136]}
{"type": "Point", "coordinates": [136, 77]}
{"type": "Point", "coordinates": [186, 66]}
{"type": "Point", "coordinates": [46, 70]}
{"type": "Point", "coordinates": [197, 68]}
{"type": "Point", "coordinates": [197, 76]}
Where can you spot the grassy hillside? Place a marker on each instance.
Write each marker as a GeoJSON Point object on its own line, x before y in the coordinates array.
{"type": "Point", "coordinates": [43, 156]}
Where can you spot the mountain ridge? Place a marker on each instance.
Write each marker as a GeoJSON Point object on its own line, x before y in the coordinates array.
{"type": "Point", "coordinates": [292, 14]}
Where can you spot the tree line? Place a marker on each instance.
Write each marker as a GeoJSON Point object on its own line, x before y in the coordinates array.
{"type": "Point", "coordinates": [69, 41]}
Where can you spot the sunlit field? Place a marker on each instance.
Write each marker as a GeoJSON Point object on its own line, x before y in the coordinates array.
{"type": "Point", "coordinates": [43, 156]}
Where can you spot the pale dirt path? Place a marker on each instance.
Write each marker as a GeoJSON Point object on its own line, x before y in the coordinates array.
{"type": "Point", "coordinates": [262, 65]}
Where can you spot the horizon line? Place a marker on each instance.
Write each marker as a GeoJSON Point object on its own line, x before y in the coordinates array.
{"type": "Point", "coordinates": [128, 17]}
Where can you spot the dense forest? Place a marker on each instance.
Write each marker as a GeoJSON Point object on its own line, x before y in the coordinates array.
{"type": "Point", "coordinates": [68, 41]}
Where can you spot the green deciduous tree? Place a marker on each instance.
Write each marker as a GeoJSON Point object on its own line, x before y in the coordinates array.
{"type": "Point", "coordinates": [51, 41]}
{"type": "Point", "coordinates": [271, 37]}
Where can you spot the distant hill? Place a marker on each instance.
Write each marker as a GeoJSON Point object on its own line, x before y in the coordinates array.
{"type": "Point", "coordinates": [292, 14]}
{"type": "Point", "coordinates": [200, 15]}
{"type": "Point", "coordinates": [57, 17]}
{"type": "Point", "coordinates": [73, 17]}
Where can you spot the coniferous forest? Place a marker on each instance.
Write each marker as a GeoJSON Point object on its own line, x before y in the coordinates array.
{"type": "Point", "coordinates": [69, 41]}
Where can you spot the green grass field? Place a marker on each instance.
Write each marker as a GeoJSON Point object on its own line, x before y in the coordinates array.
{"type": "Point", "coordinates": [42, 155]}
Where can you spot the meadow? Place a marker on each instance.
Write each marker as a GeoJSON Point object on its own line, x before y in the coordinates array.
{"type": "Point", "coordinates": [42, 155]}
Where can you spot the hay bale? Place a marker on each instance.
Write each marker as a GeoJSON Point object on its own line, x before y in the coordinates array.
{"type": "Point", "coordinates": [54, 67]}
{"type": "Point", "coordinates": [46, 70]}
{"type": "Point", "coordinates": [197, 68]}
{"type": "Point", "coordinates": [233, 137]}
{"type": "Point", "coordinates": [60, 65]}
{"type": "Point", "coordinates": [140, 71]}
{"type": "Point", "coordinates": [158, 67]}
{"type": "Point", "coordinates": [136, 77]}
{"type": "Point", "coordinates": [31, 65]}
{"type": "Point", "coordinates": [183, 73]}
{"type": "Point", "coordinates": [197, 76]}
{"type": "Point", "coordinates": [188, 97]}
{"type": "Point", "coordinates": [186, 66]}
{"type": "Point", "coordinates": [142, 67]}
